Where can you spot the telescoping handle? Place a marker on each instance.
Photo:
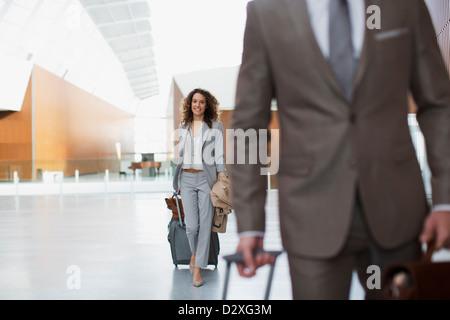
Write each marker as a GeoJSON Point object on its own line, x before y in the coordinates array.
{"type": "Point", "coordinates": [238, 258]}
{"type": "Point", "coordinates": [175, 194]}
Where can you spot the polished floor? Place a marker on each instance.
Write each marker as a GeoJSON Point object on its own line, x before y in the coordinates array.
{"type": "Point", "coordinates": [114, 246]}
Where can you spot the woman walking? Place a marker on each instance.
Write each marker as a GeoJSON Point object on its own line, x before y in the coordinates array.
{"type": "Point", "coordinates": [201, 161]}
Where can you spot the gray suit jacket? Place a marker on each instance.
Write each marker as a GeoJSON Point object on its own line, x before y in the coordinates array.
{"type": "Point", "coordinates": [331, 147]}
{"type": "Point", "coordinates": [213, 156]}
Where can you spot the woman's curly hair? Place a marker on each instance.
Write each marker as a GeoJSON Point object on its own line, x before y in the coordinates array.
{"type": "Point", "coordinates": [211, 112]}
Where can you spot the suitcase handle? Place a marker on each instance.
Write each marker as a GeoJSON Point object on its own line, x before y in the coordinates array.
{"type": "Point", "coordinates": [238, 258]}
{"type": "Point", "coordinates": [178, 208]}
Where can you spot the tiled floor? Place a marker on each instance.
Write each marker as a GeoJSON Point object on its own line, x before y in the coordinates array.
{"type": "Point", "coordinates": [117, 245]}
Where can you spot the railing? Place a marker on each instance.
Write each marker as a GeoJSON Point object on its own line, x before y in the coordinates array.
{"type": "Point", "coordinates": [108, 180]}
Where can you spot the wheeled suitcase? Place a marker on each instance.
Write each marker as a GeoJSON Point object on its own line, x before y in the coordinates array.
{"type": "Point", "coordinates": [237, 258]}
{"type": "Point", "coordinates": [179, 244]}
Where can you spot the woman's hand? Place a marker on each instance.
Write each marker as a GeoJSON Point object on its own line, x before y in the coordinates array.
{"type": "Point", "coordinates": [221, 175]}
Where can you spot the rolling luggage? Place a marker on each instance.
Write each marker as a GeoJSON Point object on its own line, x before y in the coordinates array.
{"type": "Point", "coordinates": [237, 258]}
{"type": "Point", "coordinates": [179, 244]}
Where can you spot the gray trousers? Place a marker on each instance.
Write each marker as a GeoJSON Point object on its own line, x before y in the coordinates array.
{"type": "Point", "coordinates": [330, 279]}
{"type": "Point", "coordinates": [199, 211]}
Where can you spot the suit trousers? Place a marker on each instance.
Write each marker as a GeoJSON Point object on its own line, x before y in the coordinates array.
{"type": "Point", "coordinates": [199, 211]}
{"type": "Point", "coordinates": [330, 279]}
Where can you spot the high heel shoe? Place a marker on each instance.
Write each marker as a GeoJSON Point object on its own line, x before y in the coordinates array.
{"type": "Point", "coordinates": [197, 283]}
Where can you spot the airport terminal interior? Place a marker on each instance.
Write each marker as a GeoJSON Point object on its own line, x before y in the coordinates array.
{"type": "Point", "coordinates": [90, 100]}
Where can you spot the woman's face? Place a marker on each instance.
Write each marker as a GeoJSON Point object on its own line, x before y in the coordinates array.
{"type": "Point", "coordinates": [198, 105]}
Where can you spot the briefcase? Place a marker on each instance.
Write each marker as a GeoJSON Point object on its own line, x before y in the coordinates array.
{"type": "Point", "coordinates": [422, 280]}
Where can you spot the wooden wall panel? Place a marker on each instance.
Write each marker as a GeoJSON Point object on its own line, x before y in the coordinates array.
{"type": "Point", "coordinates": [76, 130]}
{"type": "Point", "coordinates": [16, 141]}
{"type": "Point", "coordinates": [178, 99]}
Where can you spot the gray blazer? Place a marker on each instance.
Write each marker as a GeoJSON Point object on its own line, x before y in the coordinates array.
{"type": "Point", "coordinates": [213, 156]}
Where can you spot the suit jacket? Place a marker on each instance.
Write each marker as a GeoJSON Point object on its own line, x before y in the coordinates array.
{"type": "Point", "coordinates": [213, 158]}
{"type": "Point", "coordinates": [331, 147]}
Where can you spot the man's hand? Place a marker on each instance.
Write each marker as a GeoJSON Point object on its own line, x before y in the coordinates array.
{"type": "Point", "coordinates": [437, 227]}
{"type": "Point", "coordinates": [247, 246]}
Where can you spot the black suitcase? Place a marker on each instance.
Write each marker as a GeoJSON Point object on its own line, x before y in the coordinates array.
{"type": "Point", "coordinates": [179, 244]}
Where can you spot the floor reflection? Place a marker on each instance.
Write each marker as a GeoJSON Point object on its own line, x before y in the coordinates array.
{"type": "Point", "coordinates": [182, 288]}
{"type": "Point", "coordinates": [119, 242]}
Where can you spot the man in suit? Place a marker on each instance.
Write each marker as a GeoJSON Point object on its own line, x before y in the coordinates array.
{"type": "Point", "coordinates": [351, 192]}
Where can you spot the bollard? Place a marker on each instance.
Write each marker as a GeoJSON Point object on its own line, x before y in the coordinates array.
{"type": "Point", "coordinates": [16, 182]}
{"type": "Point", "coordinates": [106, 180]}
{"type": "Point", "coordinates": [16, 177]}
{"type": "Point", "coordinates": [61, 179]}
{"type": "Point", "coordinates": [132, 184]}
{"type": "Point", "coordinates": [77, 176]}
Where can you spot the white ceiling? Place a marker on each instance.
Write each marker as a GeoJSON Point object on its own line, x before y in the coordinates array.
{"type": "Point", "coordinates": [125, 25]}
{"type": "Point", "coordinates": [15, 76]}
{"type": "Point", "coordinates": [219, 82]}
{"type": "Point", "coordinates": [61, 37]}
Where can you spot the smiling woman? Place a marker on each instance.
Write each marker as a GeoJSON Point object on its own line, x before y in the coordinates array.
{"type": "Point", "coordinates": [195, 175]}
{"type": "Point", "coordinates": [200, 105]}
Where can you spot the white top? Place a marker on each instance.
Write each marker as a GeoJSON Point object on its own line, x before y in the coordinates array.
{"type": "Point", "coordinates": [193, 151]}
